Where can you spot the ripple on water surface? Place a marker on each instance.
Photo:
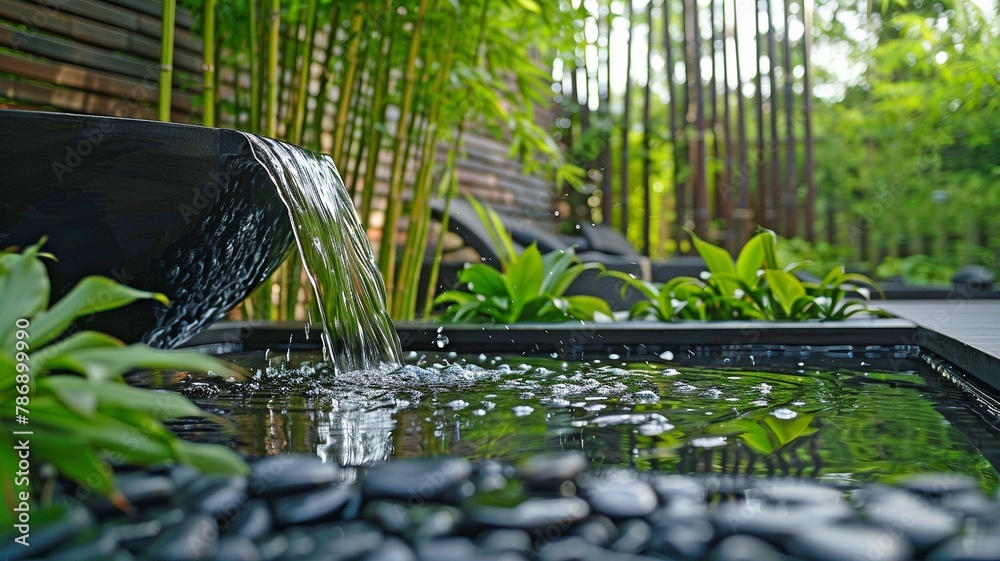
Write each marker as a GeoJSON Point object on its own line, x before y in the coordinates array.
{"type": "Point", "coordinates": [840, 425]}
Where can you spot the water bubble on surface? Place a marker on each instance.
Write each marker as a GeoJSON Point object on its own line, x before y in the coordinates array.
{"type": "Point", "coordinates": [709, 442]}
{"type": "Point", "coordinates": [458, 404]}
{"type": "Point", "coordinates": [522, 410]}
{"type": "Point", "coordinates": [784, 413]}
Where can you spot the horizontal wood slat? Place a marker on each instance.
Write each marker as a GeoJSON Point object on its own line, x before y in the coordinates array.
{"type": "Point", "coordinates": [95, 56]}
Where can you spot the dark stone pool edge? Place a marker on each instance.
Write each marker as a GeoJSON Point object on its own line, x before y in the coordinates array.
{"type": "Point", "coordinates": [634, 339]}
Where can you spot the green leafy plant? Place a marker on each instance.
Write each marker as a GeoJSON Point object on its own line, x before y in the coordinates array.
{"type": "Point", "coordinates": [66, 388]}
{"type": "Point", "coordinates": [530, 287]}
{"type": "Point", "coordinates": [750, 287]}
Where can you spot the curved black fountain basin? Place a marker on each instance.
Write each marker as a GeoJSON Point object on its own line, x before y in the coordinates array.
{"type": "Point", "coordinates": [178, 209]}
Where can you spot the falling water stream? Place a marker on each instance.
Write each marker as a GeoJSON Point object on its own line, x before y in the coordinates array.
{"type": "Point", "coordinates": [336, 255]}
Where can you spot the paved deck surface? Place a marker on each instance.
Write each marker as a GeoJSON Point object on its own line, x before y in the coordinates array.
{"type": "Point", "coordinates": [973, 322]}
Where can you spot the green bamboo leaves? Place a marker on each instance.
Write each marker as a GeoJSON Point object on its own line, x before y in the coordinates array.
{"type": "Point", "coordinates": [750, 287]}
{"type": "Point", "coordinates": [530, 288]}
{"type": "Point", "coordinates": [71, 391]}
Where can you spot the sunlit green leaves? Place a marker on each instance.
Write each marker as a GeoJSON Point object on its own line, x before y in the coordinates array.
{"type": "Point", "coordinates": [77, 399]}
{"type": "Point", "coordinates": [529, 289]}
{"type": "Point", "coordinates": [752, 288]}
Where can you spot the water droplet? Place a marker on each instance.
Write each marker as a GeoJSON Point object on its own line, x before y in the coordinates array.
{"type": "Point", "coordinates": [784, 413]}
{"type": "Point", "coordinates": [613, 356]}
{"type": "Point", "coordinates": [441, 341]}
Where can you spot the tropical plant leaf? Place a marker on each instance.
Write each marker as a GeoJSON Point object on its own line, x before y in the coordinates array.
{"type": "Point", "coordinates": [750, 260]}
{"type": "Point", "coordinates": [110, 363]}
{"type": "Point", "coordinates": [24, 290]}
{"type": "Point", "coordinates": [718, 260]}
{"type": "Point", "coordinates": [90, 296]}
{"type": "Point", "coordinates": [785, 288]}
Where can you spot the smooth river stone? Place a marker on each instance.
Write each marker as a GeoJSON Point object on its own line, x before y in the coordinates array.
{"type": "Point", "coordinates": [574, 548]}
{"type": "Point", "coordinates": [777, 523]}
{"type": "Point", "coordinates": [311, 506]}
{"type": "Point", "coordinates": [549, 471]}
{"type": "Point", "coordinates": [978, 548]}
{"type": "Point", "coordinates": [100, 549]}
{"type": "Point", "coordinates": [253, 521]}
{"type": "Point", "coordinates": [217, 495]}
{"type": "Point", "coordinates": [790, 491]}
{"type": "Point", "coordinates": [924, 524]}
{"type": "Point", "coordinates": [196, 538]}
{"type": "Point", "coordinates": [349, 540]}
{"type": "Point", "coordinates": [597, 530]}
{"type": "Point", "coordinates": [446, 549]}
{"type": "Point", "coordinates": [418, 480]}
{"type": "Point", "coordinates": [285, 474]}
{"type": "Point", "coordinates": [633, 536]}
{"type": "Point", "coordinates": [678, 487]}
{"type": "Point", "coordinates": [237, 548]}
{"type": "Point", "coordinates": [501, 540]}
{"type": "Point", "coordinates": [622, 498]}
{"type": "Point", "coordinates": [850, 542]}
{"type": "Point", "coordinates": [533, 514]}
{"type": "Point", "coordinates": [143, 491]}
{"type": "Point", "coordinates": [49, 529]}
{"type": "Point", "coordinates": [936, 485]}
{"type": "Point", "coordinates": [745, 548]}
{"type": "Point", "coordinates": [393, 549]}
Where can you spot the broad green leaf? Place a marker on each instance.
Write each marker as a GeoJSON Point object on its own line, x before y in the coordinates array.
{"type": "Point", "coordinates": [159, 405]}
{"type": "Point", "coordinates": [524, 276]}
{"type": "Point", "coordinates": [785, 288]}
{"type": "Point", "coordinates": [584, 307]}
{"type": "Point", "coordinates": [787, 430]}
{"type": "Point", "coordinates": [563, 283]}
{"type": "Point", "coordinates": [24, 291]}
{"type": "Point", "coordinates": [90, 296]}
{"type": "Point", "coordinates": [718, 260]}
{"type": "Point", "coordinates": [82, 466]}
{"type": "Point", "coordinates": [649, 290]}
{"type": "Point", "coordinates": [209, 458]}
{"type": "Point", "coordinates": [768, 239]}
{"type": "Point", "coordinates": [750, 260]}
{"type": "Point", "coordinates": [485, 280]}
{"type": "Point", "coordinates": [110, 363]}
{"type": "Point", "coordinates": [77, 341]}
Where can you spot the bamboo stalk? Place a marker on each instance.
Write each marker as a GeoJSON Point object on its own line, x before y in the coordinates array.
{"type": "Point", "coordinates": [208, 55]}
{"type": "Point", "coordinates": [732, 236]}
{"type": "Point", "coordinates": [672, 122]}
{"type": "Point", "coordinates": [256, 72]}
{"type": "Point", "coordinates": [764, 208]}
{"type": "Point", "coordinates": [379, 106]}
{"type": "Point", "coordinates": [319, 112]}
{"type": "Point", "coordinates": [604, 114]}
{"type": "Point", "coordinates": [416, 237]}
{"type": "Point", "coordinates": [305, 66]}
{"type": "Point", "coordinates": [623, 172]}
{"type": "Point", "coordinates": [698, 159]}
{"type": "Point", "coordinates": [450, 179]}
{"type": "Point", "coordinates": [387, 252]}
{"type": "Point", "coordinates": [791, 187]}
{"type": "Point", "coordinates": [166, 59]}
{"type": "Point", "coordinates": [743, 159]}
{"type": "Point", "coordinates": [772, 95]}
{"type": "Point", "coordinates": [647, 128]}
{"type": "Point", "coordinates": [807, 15]}
{"type": "Point", "coordinates": [287, 76]}
{"type": "Point", "coordinates": [274, 31]}
{"type": "Point", "coordinates": [357, 21]}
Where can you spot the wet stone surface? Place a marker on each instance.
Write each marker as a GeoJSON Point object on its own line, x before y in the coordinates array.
{"type": "Point", "coordinates": [550, 508]}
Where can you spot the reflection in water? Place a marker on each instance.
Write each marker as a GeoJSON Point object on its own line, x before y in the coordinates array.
{"type": "Point", "coordinates": [842, 425]}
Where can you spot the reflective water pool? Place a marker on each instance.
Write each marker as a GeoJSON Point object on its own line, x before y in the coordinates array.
{"type": "Point", "coordinates": [852, 423]}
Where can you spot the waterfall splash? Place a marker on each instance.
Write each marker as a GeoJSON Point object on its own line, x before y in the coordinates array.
{"type": "Point", "coordinates": [336, 255]}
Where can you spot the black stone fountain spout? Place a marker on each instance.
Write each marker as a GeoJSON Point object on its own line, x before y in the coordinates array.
{"type": "Point", "coordinates": [178, 209]}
